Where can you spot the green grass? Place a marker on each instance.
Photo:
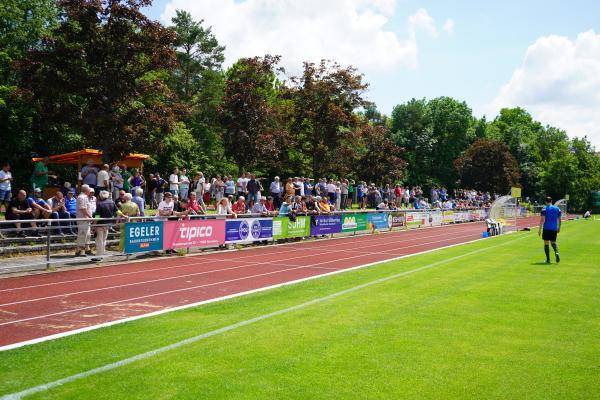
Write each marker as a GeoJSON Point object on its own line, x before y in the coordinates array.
{"type": "Point", "coordinates": [495, 324]}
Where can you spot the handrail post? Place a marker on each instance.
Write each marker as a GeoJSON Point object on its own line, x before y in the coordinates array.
{"type": "Point", "coordinates": [48, 225]}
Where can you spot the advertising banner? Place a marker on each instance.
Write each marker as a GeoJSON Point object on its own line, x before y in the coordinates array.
{"type": "Point", "coordinates": [416, 219]}
{"type": "Point", "coordinates": [379, 221]}
{"type": "Point", "coordinates": [141, 236]}
{"type": "Point", "coordinates": [325, 224]}
{"type": "Point", "coordinates": [354, 223]}
{"type": "Point", "coordinates": [435, 218]}
{"type": "Point", "coordinates": [248, 230]}
{"type": "Point", "coordinates": [461, 216]}
{"type": "Point", "coordinates": [448, 217]}
{"type": "Point", "coordinates": [284, 228]}
{"type": "Point", "coordinates": [194, 233]}
{"type": "Point", "coordinates": [398, 220]}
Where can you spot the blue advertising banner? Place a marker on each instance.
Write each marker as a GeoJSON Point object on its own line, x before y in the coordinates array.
{"type": "Point", "coordinates": [325, 224]}
{"type": "Point", "coordinates": [248, 230]}
{"type": "Point", "coordinates": [142, 236]}
{"type": "Point", "coordinates": [380, 221]}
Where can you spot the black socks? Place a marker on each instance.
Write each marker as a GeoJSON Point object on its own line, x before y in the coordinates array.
{"type": "Point", "coordinates": [555, 247]}
{"type": "Point", "coordinates": [547, 251]}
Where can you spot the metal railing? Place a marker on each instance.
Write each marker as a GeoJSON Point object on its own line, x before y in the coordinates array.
{"type": "Point", "coordinates": [50, 241]}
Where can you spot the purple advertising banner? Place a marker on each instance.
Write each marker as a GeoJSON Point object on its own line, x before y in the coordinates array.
{"type": "Point", "coordinates": [325, 224]}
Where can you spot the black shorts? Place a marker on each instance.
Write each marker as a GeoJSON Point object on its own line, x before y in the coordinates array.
{"type": "Point", "coordinates": [549, 235]}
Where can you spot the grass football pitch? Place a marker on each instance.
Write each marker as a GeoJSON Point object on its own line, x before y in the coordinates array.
{"type": "Point", "coordinates": [477, 321]}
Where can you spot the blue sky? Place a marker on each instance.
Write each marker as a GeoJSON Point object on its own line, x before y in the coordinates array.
{"type": "Point", "coordinates": [475, 62]}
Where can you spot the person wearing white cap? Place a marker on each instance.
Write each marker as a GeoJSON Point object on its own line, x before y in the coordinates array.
{"type": "Point", "coordinates": [260, 208]}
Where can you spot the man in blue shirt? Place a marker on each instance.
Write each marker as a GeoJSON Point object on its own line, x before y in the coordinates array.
{"type": "Point", "coordinates": [550, 223]}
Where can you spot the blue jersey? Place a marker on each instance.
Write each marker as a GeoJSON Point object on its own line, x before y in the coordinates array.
{"type": "Point", "coordinates": [552, 215]}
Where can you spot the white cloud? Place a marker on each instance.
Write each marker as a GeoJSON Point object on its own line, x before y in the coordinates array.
{"type": "Point", "coordinates": [347, 31]}
{"type": "Point", "coordinates": [449, 26]}
{"type": "Point", "coordinates": [559, 84]}
{"type": "Point", "coordinates": [421, 21]}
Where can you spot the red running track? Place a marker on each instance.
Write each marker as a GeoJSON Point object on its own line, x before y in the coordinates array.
{"type": "Point", "coordinates": [36, 306]}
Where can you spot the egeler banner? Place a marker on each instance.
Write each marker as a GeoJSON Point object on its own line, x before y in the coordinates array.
{"type": "Point", "coordinates": [141, 236]}
{"type": "Point", "coordinates": [247, 230]}
{"type": "Point", "coordinates": [194, 233]}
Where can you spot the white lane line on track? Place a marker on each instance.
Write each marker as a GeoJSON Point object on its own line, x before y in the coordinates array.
{"type": "Point", "coordinates": [198, 286]}
{"type": "Point", "coordinates": [296, 247]}
{"type": "Point", "coordinates": [217, 299]}
{"type": "Point", "coordinates": [194, 339]}
{"type": "Point", "coordinates": [245, 265]}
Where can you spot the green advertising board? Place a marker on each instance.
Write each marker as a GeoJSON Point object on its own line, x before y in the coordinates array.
{"type": "Point", "coordinates": [284, 228]}
{"type": "Point", "coordinates": [354, 222]}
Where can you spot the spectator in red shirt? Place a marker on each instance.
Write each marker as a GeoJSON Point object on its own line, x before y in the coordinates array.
{"type": "Point", "coordinates": [194, 205]}
{"type": "Point", "coordinates": [239, 207]}
{"type": "Point", "coordinates": [269, 205]}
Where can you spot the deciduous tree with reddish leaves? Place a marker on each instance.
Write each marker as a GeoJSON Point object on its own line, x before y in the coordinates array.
{"type": "Point", "coordinates": [488, 165]}
{"type": "Point", "coordinates": [101, 75]}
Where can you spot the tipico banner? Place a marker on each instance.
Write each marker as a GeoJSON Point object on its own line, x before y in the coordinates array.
{"type": "Point", "coordinates": [379, 221]}
{"type": "Point", "coordinates": [284, 228]}
{"type": "Point", "coordinates": [194, 233]}
{"type": "Point", "coordinates": [354, 222]}
{"type": "Point", "coordinates": [248, 230]}
{"type": "Point", "coordinates": [325, 224]}
{"type": "Point", "coordinates": [141, 236]}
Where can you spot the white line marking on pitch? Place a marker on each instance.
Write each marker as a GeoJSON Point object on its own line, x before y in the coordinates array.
{"type": "Point", "coordinates": [152, 353]}
{"type": "Point", "coordinates": [246, 265]}
{"type": "Point", "coordinates": [217, 299]}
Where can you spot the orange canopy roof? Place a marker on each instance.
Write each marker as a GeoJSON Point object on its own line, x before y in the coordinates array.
{"type": "Point", "coordinates": [82, 156]}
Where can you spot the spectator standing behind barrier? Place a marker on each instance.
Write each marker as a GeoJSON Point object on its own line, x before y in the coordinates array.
{"type": "Point", "coordinates": [229, 186]}
{"type": "Point", "coordinates": [136, 181]}
{"type": "Point", "coordinates": [184, 184]}
{"type": "Point", "coordinates": [151, 189]}
{"type": "Point", "coordinates": [103, 179]}
{"type": "Point", "coordinates": [284, 210]}
{"type": "Point", "coordinates": [275, 192]}
{"type": "Point", "coordinates": [39, 177]}
{"type": "Point", "coordinates": [5, 186]}
{"type": "Point", "coordinates": [59, 211]}
{"type": "Point", "coordinates": [89, 174]}
{"type": "Point", "coordinates": [344, 194]}
{"type": "Point", "coordinates": [252, 189]}
{"type": "Point", "coordinates": [117, 181]}
{"type": "Point", "coordinates": [19, 210]}
{"type": "Point", "coordinates": [138, 199]}
{"type": "Point", "coordinates": [83, 227]}
{"type": "Point", "coordinates": [290, 190]}
{"type": "Point", "coordinates": [174, 182]}
{"type": "Point", "coordinates": [92, 196]}
{"type": "Point", "coordinates": [160, 189]}
{"type": "Point", "coordinates": [105, 209]}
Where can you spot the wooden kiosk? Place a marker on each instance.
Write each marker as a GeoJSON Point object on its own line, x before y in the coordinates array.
{"type": "Point", "coordinates": [79, 158]}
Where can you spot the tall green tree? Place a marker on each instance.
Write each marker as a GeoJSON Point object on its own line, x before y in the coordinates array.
{"type": "Point", "coordinates": [198, 51]}
{"type": "Point", "coordinates": [23, 24]}
{"type": "Point", "coordinates": [102, 75]}
{"type": "Point", "coordinates": [199, 82]}
{"type": "Point", "coordinates": [488, 165]}
{"type": "Point", "coordinates": [325, 98]}
{"type": "Point", "coordinates": [251, 134]}
{"type": "Point", "coordinates": [412, 130]}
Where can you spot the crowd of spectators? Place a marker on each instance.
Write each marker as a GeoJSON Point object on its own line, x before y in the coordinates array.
{"type": "Point", "coordinates": [117, 192]}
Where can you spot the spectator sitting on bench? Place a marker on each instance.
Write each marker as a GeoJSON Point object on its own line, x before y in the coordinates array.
{"type": "Point", "coordinates": [59, 211]}
{"type": "Point", "coordinates": [20, 210]}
